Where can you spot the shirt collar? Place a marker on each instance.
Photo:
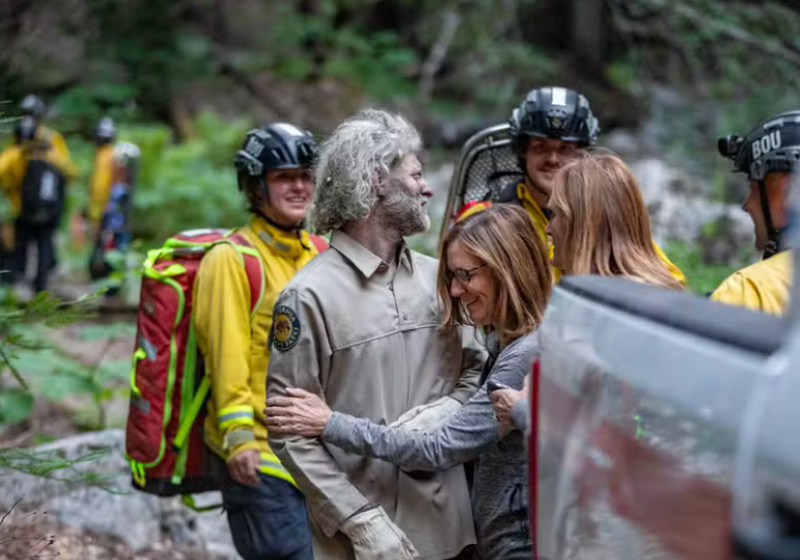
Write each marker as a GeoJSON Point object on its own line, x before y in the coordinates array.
{"type": "Point", "coordinates": [527, 201]}
{"type": "Point", "coordinates": [367, 262]}
{"type": "Point", "coordinates": [289, 244]}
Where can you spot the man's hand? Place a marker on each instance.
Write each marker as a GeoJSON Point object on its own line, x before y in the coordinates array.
{"type": "Point", "coordinates": [375, 537]}
{"type": "Point", "coordinates": [244, 467]}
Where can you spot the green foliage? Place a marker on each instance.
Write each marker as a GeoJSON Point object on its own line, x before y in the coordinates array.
{"type": "Point", "coordinates": [82, 106]}
{"type": "Point", "coordinates": [187, 185]}
{"type": "Point", "coordinates": [17, 339]}
{"type": "Point", "coordinates": [373, 59]}
{"type": "Point", "coordinates": [732, 64]}
{"type": "Point", "coordinates": [52, 465]}
{"type": "Point", "coordinates": [44, 309]}
{"type": "Point", "coordinates": [701, 277]}
{"type": "Point", "coordinates": [377, 60]}
{"type": "Point", "coordinates": [15, 405]}
{"type": "Point", "coordinates": [56, 375]}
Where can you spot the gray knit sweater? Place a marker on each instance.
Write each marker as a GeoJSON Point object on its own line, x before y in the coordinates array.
{"type": "Point", "coordinates": [500, 490]}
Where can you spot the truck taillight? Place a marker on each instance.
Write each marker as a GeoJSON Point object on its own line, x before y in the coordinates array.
{"type": "Point", "coordinates": [533, 450]}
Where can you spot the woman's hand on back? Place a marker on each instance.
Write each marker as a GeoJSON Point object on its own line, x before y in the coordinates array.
{"type": "Point", "coordinates": [504, 400]}
{"type": "Point", "coordinates": [299, 413]}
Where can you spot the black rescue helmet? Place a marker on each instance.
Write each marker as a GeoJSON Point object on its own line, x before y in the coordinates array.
{"type": "Point", "coordinates": [277, 146]}
{"type": "Point", "coordinates": [105, 131]}
{"type": "Point", "coordinates": [33, 106]}
{"type": "Point", "coordinates": [25, 129]}
{"type": "Point", "coordinates": [554, 112]}
{"type": "Point", "coordinates": [773, 146]}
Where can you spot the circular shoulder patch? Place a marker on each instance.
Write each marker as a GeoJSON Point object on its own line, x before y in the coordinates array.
{"type": "Point", "coordinates": [286, 328]}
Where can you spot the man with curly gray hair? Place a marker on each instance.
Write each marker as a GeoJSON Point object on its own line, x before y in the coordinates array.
{"type": "Point", "coordinates": [362, 163]}
{"type": "Point", "coordinates": [360, 326]}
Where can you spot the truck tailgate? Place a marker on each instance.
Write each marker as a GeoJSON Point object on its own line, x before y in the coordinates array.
{"type": "Point", "coordinates": [640, 399]}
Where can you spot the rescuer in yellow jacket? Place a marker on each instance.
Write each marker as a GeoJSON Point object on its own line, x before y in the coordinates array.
{"type": "Point", "coordinates": [768, 154]}
{"type": "Point", "coordinates": [763, 286]}
{"type": "Point", "coordinates": [548, 130]}
{"type": "Point", "coordinates": [266, 512]}
{"type": "Point", "coordinates": [14, 160]}
{"type": "Point", "coordinates": [34, 107]}
{"type": "Point", "coordinates": [102, 170]}
{"type": "Point", "coordinates": [17, 161]}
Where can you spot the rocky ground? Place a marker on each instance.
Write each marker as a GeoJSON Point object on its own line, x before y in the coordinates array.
{"type": "Point", "coordinates": [107, 519]}
{"type": "Point", "coordinates": [48, 519]}
{"type": "Point", "coordinates": [36, 535]}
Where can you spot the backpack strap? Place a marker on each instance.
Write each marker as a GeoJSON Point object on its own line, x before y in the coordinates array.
{"type": "Point", "coordinates": [253, 267]}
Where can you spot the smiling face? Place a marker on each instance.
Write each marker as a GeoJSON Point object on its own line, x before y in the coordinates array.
{"type": "Point", "coordinates": [544, 157]}
{"type": "Point", "coordinates": [290, 193]}
{"type": "Point", "coordinates": [478, 291]}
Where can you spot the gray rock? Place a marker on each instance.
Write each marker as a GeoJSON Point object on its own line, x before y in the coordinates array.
{"type": "Point", "coordinates": [139, 519]}
{"type": "Point", "coordinates": [679, 207]}
{"type": "Point", "coordinates": [622, 142]}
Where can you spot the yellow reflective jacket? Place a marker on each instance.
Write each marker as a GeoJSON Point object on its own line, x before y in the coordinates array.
{"type": "Point", "coordinates": [14, 160]}
{"type": "Point", "coordinates": [100, 182]}
{"type": "Point", "coordinates": [58, 143]}
{"type": "Point", "coordinates": [235, 348]}
{"type": "Point", "coordinates": [763, 286]}
{"type": "Point", "coordinates": [539, 221]}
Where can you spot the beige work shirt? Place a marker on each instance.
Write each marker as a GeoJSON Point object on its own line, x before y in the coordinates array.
{"type": "Point", "coordinates": [369, 340]}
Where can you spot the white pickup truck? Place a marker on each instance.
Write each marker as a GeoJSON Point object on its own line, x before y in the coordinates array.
{"type": "Point", "coordinates": [663, 425]}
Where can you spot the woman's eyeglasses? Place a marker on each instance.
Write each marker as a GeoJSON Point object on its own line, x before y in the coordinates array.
{"type": "Point", "coordinates": [463, 275]}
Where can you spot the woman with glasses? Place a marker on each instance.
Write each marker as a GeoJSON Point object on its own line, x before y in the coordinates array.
{"type": "Point", "coordinates": [493, 273]}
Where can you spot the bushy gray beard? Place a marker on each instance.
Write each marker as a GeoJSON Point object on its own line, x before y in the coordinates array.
{"type": "Point", "coordinates": [404, 211]}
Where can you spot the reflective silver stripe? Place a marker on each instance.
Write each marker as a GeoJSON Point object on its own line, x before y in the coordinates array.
{"type": "Point", "coordinates": [559, 96]}
{"type": "Point", "coordinates": [141, 403]}
{"type": "Point", "coordinates": [288, 129]}
{"type": "Point", "coordinates": [238, 437]}
{"type": "Point", "coordinates": [272, 464]}
{"type": "Point", "coordinates": [234, 415]}
{"type": "Point", "coordinates": [148, 347]}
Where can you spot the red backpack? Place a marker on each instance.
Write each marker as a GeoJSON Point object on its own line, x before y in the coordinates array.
{"type": "Point", "coordinates": [164, 432]}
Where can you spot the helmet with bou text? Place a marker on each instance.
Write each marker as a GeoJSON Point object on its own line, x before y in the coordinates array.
{"type": "Point", "coordinates": [277, 146]}
{"type": "Point", "coordinates": [772, 146]}
{"type": "Point", "coordinates": [554, 112]}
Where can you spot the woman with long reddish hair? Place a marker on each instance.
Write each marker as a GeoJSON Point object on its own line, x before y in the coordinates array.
{"type": "Point", "coordinates": [600, 224]}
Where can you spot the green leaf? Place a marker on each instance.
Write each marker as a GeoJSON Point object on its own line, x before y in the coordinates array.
{"type": "Point", "coordinates": [15, 405]}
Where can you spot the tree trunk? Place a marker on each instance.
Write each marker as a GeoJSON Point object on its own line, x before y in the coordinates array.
{"type": "Point", "coordinates": [587, 36]}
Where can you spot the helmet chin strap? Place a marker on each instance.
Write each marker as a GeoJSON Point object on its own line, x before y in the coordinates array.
{"type": "Point", "coordinates": [530, 181]}
{"type": "Point", "coordinates": [774, 234]}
